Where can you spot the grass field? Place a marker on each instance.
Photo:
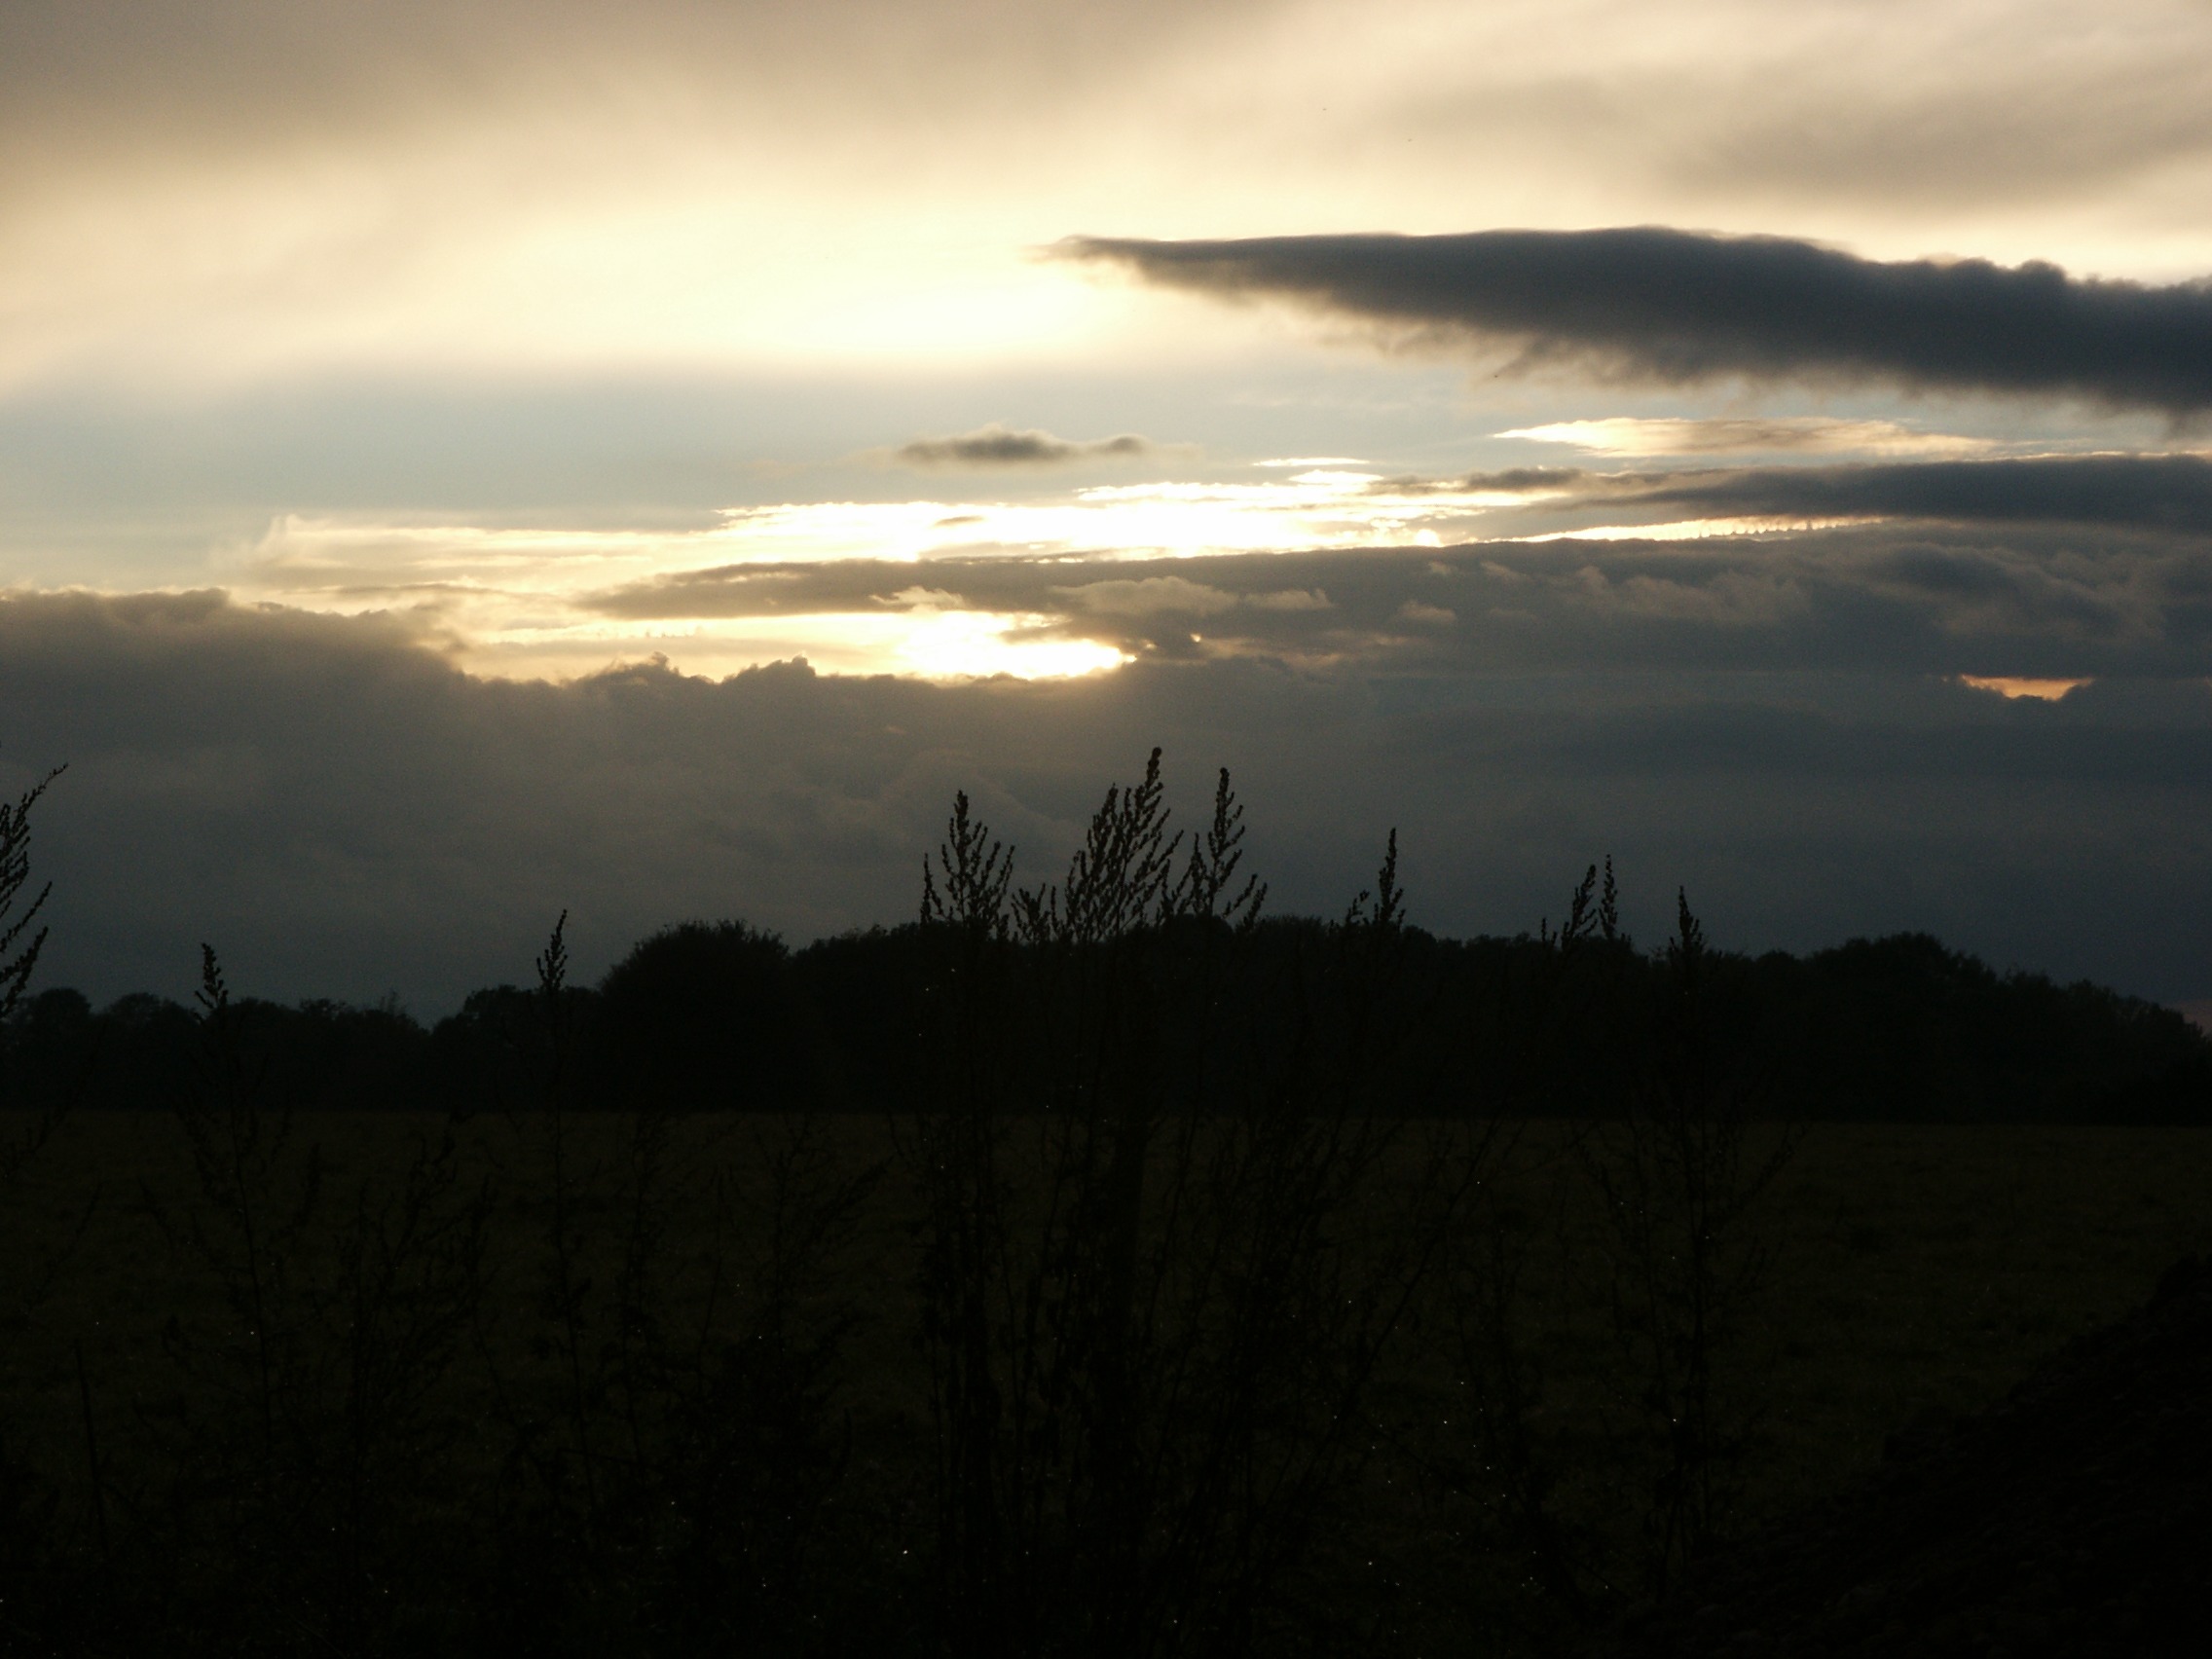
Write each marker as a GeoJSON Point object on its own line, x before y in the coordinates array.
{"type": "Point", "coordinates": [1917, 1269]}
{"type": "Point", "coordinates": [1927, 1270]}
{"type": "Point", "coordinates": [1915, 1272]}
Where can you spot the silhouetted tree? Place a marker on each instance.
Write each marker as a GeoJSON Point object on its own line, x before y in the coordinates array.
{"type": "Point", "coordinates": [700, 1018]}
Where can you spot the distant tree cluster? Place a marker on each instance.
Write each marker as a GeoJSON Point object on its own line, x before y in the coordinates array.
{"type": "Point", "coordinates": [722, 1016]}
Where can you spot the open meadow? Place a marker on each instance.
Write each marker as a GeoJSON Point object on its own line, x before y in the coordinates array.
{"type": "Point", "coordinates": [1909, 1272]}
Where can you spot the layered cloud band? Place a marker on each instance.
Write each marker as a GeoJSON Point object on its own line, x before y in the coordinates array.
{"type": "Point", "coordinates": [1677, 307]}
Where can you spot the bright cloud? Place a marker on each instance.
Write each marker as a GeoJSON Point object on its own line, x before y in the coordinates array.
{"type": "Point", "coordinates": [1630, 436]}
{"type": "Point", "coordinates": [510, 601]}
{"type": "Point", "coordinates": [1066, 584]}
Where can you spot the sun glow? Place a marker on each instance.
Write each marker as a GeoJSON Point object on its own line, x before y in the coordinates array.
{"type": "Point", "coordinates": [952, 643]}
{"type": "Point", "coordinates": [922, 640]}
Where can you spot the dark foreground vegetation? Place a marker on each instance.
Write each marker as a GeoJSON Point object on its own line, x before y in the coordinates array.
{"type": "Point", "coordinates": [2069, 1521]}
{"type": "Point", "coordinates": [1090, 1269]}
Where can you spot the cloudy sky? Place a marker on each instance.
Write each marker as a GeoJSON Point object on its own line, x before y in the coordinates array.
{"type": "Point", "coordinates": [458, 462]}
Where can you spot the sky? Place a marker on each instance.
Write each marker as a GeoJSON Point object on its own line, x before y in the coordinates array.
{"type": "Point", "coordinates": [459, 464]}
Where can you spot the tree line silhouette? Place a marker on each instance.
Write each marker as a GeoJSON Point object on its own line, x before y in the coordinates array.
{"type": "Point", "coordinates": [1091, 1267]}
{"type": "Point", "coordinates": [722, 1016]}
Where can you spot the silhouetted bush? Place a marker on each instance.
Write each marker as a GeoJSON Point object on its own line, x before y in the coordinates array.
{"type": "Point", "coordinates": [701, 1017]}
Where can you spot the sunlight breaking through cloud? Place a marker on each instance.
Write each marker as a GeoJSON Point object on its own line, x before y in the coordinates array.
{"type": "Point", "coordinates": [2011, 687]}
{"type": "Point", "coordinates": [1627, 435]}
{"type": "Point", "coordinates": [1693, 530]}
{"type": "Point", "coordinates": [507, 599]}
{"type": "Point", "coordinates": [1074, 583]}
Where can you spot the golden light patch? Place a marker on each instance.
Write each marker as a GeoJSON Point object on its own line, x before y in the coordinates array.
{"type": "Point", "coordinates": [1628, 435]}
{"type": "Point", "coordinates": [1695, 530]}
{"type": "Point", "coordinates": [2009, 685]}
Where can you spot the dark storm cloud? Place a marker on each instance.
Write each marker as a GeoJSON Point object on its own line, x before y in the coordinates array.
{"type": "Point", "coordinates": [2163, 492]}
{"type": "Point", "coordinates": [1675, 307]}
{"type": "Point", "coordinates": [340, 812]}
{"type": "Point", "coordinates": [994, 445]}
{"type": "Point", "coordinates": [1512, 481]}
